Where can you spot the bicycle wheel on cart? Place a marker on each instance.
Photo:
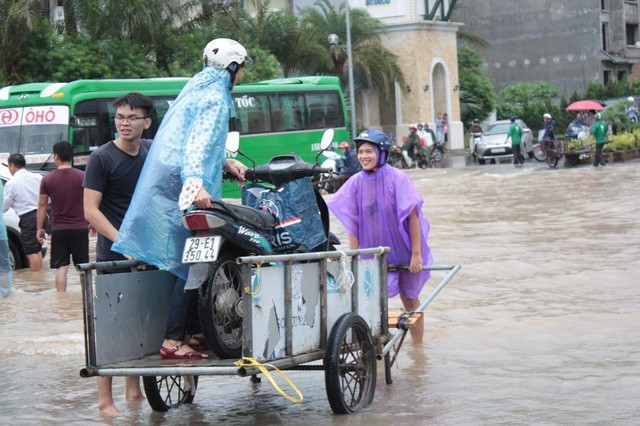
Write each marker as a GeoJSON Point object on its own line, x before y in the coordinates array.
{"type": "Point", "coordinates": [539, 153]}
{"type": "Point", "coordinates": [166, 392]}
{"type": "Point", "coordinates": [350, 365]}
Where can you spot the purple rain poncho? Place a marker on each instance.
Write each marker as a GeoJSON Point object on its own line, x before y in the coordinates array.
{"type": "Point", "coordinates": [374, 208]}
{"type": "Point", "coordinates": [189, 144]}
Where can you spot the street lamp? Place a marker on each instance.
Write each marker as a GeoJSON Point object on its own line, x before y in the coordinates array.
{"type": "Point", "coordinates": [333, 40]}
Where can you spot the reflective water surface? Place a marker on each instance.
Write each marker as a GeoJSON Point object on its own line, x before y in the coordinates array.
{"type": "Point", "coordinates": [542, 324]}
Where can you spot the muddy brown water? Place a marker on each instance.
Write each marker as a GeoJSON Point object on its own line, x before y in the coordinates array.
{"type": "Point", "coordinates": [541, 326]}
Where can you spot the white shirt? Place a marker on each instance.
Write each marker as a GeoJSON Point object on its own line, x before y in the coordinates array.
{"type": "Point", "coordinates": [22, 192]}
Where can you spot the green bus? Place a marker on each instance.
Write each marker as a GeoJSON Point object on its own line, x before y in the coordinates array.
{"type": "Point", "coordinates": [275, 116]}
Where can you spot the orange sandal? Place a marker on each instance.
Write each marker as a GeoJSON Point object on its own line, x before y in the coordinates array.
{"type": "Point", "coordinates": [170, 353]}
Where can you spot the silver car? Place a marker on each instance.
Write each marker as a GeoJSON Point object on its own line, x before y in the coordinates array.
{"type": "Point", "coordinates": [493, 143]}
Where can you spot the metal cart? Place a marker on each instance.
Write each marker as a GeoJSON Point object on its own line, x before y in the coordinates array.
{"type": "Point", "coordinates": [296, 310]}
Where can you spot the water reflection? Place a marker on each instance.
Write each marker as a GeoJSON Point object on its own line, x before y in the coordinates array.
{"type": "Point", "coordinates": [540, 326]}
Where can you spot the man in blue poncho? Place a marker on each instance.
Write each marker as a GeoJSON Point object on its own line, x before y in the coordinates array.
{"type": "Point", "coordinates": [184, 167]}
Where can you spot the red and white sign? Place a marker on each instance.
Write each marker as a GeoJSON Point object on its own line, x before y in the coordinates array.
{"type": "Point", "coordinates": [80, 160]}
{"type": "Point", "coordinates": [33, 116]}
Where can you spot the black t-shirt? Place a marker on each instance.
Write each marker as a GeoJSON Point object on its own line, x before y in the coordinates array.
{"type": "Point", "coordinates": [114, 173]}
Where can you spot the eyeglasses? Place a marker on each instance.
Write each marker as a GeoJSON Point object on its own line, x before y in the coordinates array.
{"type": "Point", "coordinates": [131, 119]}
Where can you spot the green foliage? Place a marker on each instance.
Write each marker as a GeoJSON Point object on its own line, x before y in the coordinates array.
{"type": "Point", "coordinates": [477, 98]}
{"type": "Point", "coordinates": [624, 141]}
{"type": "Point", "coordinates": [524, 93]}
{"type": "Point", "coordinates": [613, 89]}
{"type": "Point", "coordinates": [530, 101]}
{"type": "Point", "coordinates": [615, 116]}
{"type": "Point", "coordinates": [68, 58]}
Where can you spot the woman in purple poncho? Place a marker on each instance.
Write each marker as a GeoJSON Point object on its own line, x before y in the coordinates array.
{"type": "Point", "coordinates": [380, 206]}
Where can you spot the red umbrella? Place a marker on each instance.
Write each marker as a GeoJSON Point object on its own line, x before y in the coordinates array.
{"type": "Point", "coordinates": [584, 106]}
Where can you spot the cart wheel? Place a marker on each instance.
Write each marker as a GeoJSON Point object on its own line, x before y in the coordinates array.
{"type": "Point", "coordinates": [539, 153]}
{"type": "Point", "coordinates": [220, 304]}
{"type": "Point", "coordinates": [573, 160]}
{"type": "Point", "coordinates": [350, 365]}
{"type": "Point", "coordinates": [437, 155]}
{"type": "Point", "coordinates": [166, 392]}
{"type": "Point", "coordinates": [552, 158]}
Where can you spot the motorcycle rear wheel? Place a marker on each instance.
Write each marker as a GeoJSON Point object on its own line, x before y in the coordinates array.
{"type": "Point", "coordinates": [219, 303]}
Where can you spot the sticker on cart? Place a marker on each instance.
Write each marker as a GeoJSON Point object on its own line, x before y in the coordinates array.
{"type": "Point", "coordinates": [368, 283]}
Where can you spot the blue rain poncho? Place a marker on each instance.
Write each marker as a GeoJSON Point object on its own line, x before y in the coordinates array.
{"type": "Point", "coordinates": [5, 264]}
{"type": "Point", "coordinates": [190, 143]}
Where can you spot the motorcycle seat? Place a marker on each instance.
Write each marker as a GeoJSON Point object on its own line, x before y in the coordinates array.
{"type": "Point", "coordinates": [252, 217]}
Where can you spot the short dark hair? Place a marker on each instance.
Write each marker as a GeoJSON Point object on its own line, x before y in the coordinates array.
{"type": "Point", "coordinates": [17, 160]}
{"type": "Point", "coordinates": [63, 150]}
{"type": "Point", "coordinates": [135, 100]}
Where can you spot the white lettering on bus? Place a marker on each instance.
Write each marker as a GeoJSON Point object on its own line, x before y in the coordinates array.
{"type": "Point", "coordinates": [245, 102]}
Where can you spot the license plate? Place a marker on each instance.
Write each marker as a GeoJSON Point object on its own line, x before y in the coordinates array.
{"type": "Point", "coordinates": [201, 249]}
{"type": "Point", "coordinates": [498, 150]}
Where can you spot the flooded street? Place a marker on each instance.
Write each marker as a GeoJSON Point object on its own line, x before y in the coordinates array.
{"type": "Point", "coordinates": [541, 325]}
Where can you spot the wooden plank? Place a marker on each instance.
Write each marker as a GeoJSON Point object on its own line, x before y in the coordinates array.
{"type": "Point", "coordinates": [412, 320]}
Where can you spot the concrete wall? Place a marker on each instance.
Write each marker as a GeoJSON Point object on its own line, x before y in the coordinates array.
{"type": "Point", "coordinates": [427, 53]}
{"type": "Point", "coordinates": [543, 40]}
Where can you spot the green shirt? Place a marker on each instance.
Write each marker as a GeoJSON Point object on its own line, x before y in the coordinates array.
{"type": "Point", "coordinates": [515, 132]}
{"type": "Point", "coordinates": [600, 131]}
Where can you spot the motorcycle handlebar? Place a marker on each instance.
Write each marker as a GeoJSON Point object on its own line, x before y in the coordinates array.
{"type": "Point", "coordinates": [265, 173]}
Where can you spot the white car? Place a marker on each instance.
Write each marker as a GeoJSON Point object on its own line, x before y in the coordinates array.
{"type": "Point", "coordinates": [11, 220]}
{"type": "Point", "coordinates": [491, 145]}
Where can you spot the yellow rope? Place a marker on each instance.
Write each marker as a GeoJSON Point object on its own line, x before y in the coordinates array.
{"type": "Point", "coordinates": [252, 362]}
{"type": "Point", "coordinates": [248, 288]}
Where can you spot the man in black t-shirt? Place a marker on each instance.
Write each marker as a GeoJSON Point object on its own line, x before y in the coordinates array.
{"type": "Point", "coordinates": [110, 179]}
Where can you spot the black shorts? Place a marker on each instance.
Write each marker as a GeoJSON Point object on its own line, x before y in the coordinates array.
{"type": "Point", "coordinates": [69, 242]}
{"type": "Point", "coordinates": [28, 232]}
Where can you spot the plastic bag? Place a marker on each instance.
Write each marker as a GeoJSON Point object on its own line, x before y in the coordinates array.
{"type": "Point", "coordinates": [299, 226]}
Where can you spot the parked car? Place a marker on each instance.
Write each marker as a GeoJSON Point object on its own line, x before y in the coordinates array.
{"type": "Point", "coordinates": [492, 144]}
{"type": "Point", "coordinates": [11, 220]}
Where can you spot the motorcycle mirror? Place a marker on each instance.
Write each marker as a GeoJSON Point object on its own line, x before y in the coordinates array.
{"type": "Point", "coordinates": [325, 142]}
{"type": "Point", "coordinates": [327, 138]}
{"type": "Point", "coordinates": [233, 142]}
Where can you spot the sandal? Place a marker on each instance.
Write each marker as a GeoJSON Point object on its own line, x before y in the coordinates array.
{"type": "Point", "coordinates": [198, 343]}
{"type": "Point", "coordinates": [170, 353]}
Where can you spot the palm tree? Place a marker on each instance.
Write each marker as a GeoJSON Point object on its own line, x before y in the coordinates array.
{"type": "Point", "coordinates": [150, 24]}
{"type": "Point", "coordinates": [374, 65]}
{"type": "Point", "coordinates": [280, 32]}
{"type": "Point", "coordinates": [17, 20]}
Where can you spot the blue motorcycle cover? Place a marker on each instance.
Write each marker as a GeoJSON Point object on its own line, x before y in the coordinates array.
{"type": "Point", "coordinates": [299, 226]}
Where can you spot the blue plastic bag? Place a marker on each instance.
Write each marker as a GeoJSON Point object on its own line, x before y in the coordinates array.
{"type": "Point", "coordinates": [299, 226]}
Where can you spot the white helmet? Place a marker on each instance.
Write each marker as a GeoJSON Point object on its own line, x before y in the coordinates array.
{"type": "Point", "coordinates": [547, 115]}
{"type": "Point", "coordinates": [223, 53]}
{"type": "Point", "coordinates": [630, 99]}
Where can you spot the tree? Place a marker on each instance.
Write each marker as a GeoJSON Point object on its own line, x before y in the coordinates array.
{"type": "Point", "coordinates": [477, 99]}
{"type": "Point", "coordinates": [374, 65]}
{"type": "Point", "coordinates": [17, 20]}
{"type": "Point", "coordinates": [530, 101]}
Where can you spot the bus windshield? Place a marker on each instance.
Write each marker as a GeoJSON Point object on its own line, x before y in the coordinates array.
{"type": "Point", "coordinates": [32, 131]}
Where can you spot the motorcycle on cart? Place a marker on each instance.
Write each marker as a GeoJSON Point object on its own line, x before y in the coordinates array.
{"type": "Point", "coordinates": [269, 302]}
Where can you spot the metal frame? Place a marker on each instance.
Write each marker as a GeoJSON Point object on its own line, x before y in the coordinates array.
{"type": "Point", "coordinates": [290, 361]}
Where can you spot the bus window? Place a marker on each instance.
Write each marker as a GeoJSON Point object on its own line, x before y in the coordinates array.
{"type": "Point", "coordinates": [323, 110]}
{"type": "Point", "coordinates": [91, 125]}
{"type": "Point", "coordinates": [286, 112]}
{"type": "Point", "coordinates": [253, 112]}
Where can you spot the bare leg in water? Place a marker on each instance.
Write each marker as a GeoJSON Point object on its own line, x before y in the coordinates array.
{"type": "Point", "coordinates": [417, 331]}
{"type": "Point", "coordinates": [105, 395]}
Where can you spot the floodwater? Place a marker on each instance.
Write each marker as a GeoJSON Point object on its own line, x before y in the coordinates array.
{"type": "Point", "coordinates": [541, 325]}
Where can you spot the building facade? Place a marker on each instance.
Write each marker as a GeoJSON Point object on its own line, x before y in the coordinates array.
{"type": "Point", "coordinates": [567, 43]}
